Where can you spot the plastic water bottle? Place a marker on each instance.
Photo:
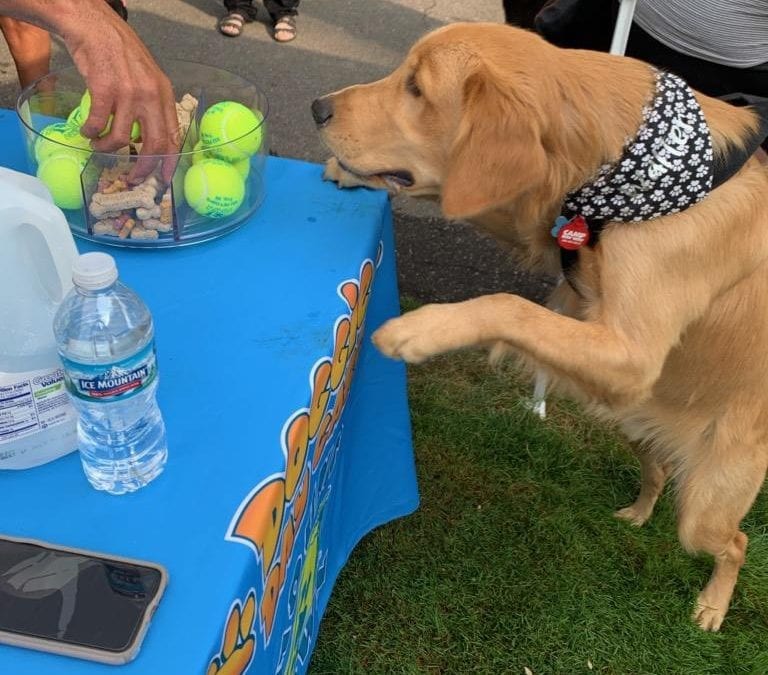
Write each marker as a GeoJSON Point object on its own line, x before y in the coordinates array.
{"type": "Point", "coordinates": [105, 339]}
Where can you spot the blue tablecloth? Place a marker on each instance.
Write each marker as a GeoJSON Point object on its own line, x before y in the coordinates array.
{"type": "Point", "coordinates": [289, 435]}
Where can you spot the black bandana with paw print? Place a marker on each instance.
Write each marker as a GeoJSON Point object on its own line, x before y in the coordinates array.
{"type": "Point", "coordinates": [667, 167]}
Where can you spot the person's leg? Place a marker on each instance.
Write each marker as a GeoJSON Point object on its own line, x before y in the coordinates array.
{"type": "Point", "coordinates": [283, 13]}
{"type": "Point", "coordinates": [278, 8]}
{"type": "Point", "coordinates": [30, 48]}
{"type": "Point", "coordinates": [239, 12]}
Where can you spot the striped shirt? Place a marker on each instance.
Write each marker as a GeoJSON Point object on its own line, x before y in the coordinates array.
{"type": "Point", "coordinates": [729, 32]}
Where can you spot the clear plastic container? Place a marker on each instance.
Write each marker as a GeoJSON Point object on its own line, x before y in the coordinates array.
{"type": "Point", "coordinates": [90, 187]}
{"type": "Point", "coordinates": [105, 339]}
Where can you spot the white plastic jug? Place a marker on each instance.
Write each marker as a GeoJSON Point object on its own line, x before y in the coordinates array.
{"type": "Point", "coordinates": [37, 252]}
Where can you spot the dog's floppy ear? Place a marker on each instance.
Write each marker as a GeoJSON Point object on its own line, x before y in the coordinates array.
{"type": "Point", "coordinates": [497, 155]}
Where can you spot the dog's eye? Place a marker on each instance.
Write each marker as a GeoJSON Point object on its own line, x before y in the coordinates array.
{"type": "Point", "coordinates": [411, 87]}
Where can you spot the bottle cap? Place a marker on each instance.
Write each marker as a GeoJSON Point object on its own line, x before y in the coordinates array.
{"type": "Point", "coordinates": [94, 271]}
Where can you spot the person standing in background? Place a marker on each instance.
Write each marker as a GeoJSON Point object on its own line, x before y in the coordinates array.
{"type": "Point", "coordinates": [717, 46]}
{"type": "Point", "coordinates": [240, 12]}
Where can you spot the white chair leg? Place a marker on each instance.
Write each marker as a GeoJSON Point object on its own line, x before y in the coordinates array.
{"type": "Point", "coordinates": [623, 24]}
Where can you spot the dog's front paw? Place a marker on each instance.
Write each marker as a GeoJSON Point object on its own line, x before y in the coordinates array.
{"type": "Point", "coordinates": [425, 332]}
{"type": "Point", "coordinates": [336, 173]}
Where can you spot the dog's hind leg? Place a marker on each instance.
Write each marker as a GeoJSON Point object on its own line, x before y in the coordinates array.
{"type": "Point", "coordinates": [713, 498]}
{"type": "Point", "coordinates": [653, 475]}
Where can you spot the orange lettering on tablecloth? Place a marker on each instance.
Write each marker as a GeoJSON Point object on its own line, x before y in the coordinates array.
{"type": "Point", "coordinates": [268, 520]}
{"type": "Point", "coordinates": [341, 397]}
{"type": "Point", "coordinates": [286, 548]}
{"type": "Point", "coordinates": [351, 293]}
{"type": "Point", "coordinates": [321, 392]}
{"type": "Point", "coordinates": [300, 504]}
{"type": "Point", "coordinates": [269, 599]}
{"type": "Point", "coordinates": [353, 363]}
{"type": "Point", "coordinates": [296, 442]}
{"type": "Point", "coordinates": [238, 642]}
{"type": "Point", "coordinates": [366, 278]}
{"type": "Point", "coordinates": [260, 522]}
{"type": "Point", "coordinates": [231, 633]}
{"type": "Point", "coordinates": [340, 351]}
{"type": "Point", "coordinates": [323, 434]}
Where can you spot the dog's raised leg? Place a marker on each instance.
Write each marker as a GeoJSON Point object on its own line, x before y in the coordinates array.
{"type": "Point", "coordinates": [712, 501]}
{"type": "Point", "coordinates": [653, 475]}
{"type": "Point", "coordinates": [604, 363]}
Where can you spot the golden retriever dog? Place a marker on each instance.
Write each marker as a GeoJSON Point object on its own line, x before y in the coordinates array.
{"type": "Point", "coordinates": [663, 327]}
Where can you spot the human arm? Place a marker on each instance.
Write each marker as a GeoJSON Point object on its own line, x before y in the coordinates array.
{"type": "Point", "coordinates": [119, 71]}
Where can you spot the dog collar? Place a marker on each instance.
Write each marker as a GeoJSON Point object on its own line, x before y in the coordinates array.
{"type": "Point", "coordinates": [667, 167]}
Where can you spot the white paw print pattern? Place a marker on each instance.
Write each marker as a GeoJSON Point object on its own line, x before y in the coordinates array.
{"type": "Point", "coordinates": [667, 166]}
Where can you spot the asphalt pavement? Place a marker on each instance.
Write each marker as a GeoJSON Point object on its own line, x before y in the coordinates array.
{"type": "Point", "coordinates": [340, 42]}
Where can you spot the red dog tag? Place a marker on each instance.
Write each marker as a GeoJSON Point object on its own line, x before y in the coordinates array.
{"type": "Point", "coordinates": [574, 234]}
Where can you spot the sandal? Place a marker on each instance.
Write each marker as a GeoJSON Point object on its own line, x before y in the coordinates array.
{"type": "Point", "coordinates": [285, 28]}
{"type": "Point", "coordinates": [232, 24]}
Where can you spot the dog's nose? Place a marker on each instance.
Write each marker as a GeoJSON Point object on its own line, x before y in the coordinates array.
{"type": "Point", "coordinates": [322, 110]}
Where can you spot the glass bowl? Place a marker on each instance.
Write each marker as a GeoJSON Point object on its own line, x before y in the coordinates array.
{"type": "Point", "coordinates": [218, 181]}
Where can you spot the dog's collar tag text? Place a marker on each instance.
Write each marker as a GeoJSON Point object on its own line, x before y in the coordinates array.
{"type": "Point", "coordinates": [571, 234]}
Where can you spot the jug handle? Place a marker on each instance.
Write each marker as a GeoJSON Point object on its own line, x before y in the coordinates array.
{"type": "Point", "coordinates": [25, 182]}
{"type": "Point", "coordinates": [57, 236]}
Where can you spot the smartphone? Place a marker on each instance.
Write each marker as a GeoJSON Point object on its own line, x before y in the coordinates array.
{"type": "Point", "coordinates": [75, 602]}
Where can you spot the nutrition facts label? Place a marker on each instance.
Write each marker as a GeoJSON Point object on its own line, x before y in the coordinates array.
{"type": "Point", "coordinates": [31, 402]}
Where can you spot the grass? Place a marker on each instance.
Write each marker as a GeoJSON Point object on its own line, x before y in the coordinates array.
{"type": "Point", "coordinates": [513, 560]}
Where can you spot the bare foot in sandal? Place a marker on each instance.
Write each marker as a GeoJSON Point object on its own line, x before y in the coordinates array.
{"type": "Point", "coordinates": [285, 28]}
{"type": "Point", "coordinates": [232, 24]}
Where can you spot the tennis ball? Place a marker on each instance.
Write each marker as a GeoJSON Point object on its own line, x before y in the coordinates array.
{"type": "Point", "coordinates": [231, 131]}
{"type": "Point", "coordinates": [80, 114]}
{"type": "Point", "coordinates": [61, 174]}
{"type": "Point", "coordinates": [200, 153]}
{"type": "Point", "coordinates": [55, 137]}
{"type": "Point", "coordinates": [214, 188]}
{"type": "Point", "coordinates": [243, 167]}
{"type": "Point", "coordinates": [177, 186]}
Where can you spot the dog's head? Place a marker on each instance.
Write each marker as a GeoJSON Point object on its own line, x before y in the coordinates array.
{"type": "Point", "coordinates": [463, 118]}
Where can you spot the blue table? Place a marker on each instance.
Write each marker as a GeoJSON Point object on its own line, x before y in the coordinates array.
{"type": "Point", "coordinates": [289, 435]}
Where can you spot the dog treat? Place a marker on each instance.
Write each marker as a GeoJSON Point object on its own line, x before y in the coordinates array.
{"type": "Point", "coordinates": [146, 214]}
{"type": "Point", "coordinates": [103, 204]}
{"type": "Point", "coordinates": [185, 109]}
{"type": "Point", "coordinates": [157, 225]}
{"type": "Point", "coordinates": [127, 227]}
{"type": "Point", "coordinates": [166, 208]}
{"type": "Point", "coordinates": [139, 232]}
{"type": "Point", "coordinates": [143, 211]}
{"type": "Point", "coordinates": [106, 226]}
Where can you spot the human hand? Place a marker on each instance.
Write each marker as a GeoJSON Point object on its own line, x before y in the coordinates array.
{"type": "Point", "coordinates": [124, 81]}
